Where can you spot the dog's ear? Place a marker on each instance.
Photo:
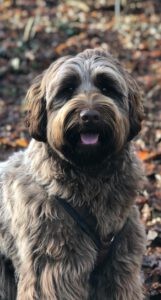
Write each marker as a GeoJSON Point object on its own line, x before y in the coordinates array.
{"type": "Point", "coordinates": [136, 112]}
{"type": "Point", "coordinates": [36, 115]}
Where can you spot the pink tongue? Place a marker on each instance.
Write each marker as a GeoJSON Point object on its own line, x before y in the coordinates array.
{"type": "Point", "coordinates": [89, 138]}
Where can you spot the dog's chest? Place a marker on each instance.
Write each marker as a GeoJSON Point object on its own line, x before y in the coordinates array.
{"type": "Point", "coordinates": [59, 238]}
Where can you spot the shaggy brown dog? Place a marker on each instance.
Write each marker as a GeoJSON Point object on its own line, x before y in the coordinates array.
{"type": "Point", "coordinates": [69, 228]}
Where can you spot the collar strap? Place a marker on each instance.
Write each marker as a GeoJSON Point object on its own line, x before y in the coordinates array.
{"type": "Point", "coordinates": [84, 225]}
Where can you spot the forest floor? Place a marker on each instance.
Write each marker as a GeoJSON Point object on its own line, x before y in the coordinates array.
{"type": "Point", "coordinates": [34, 33]}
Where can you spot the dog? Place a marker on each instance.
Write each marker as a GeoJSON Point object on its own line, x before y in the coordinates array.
{"type": "Point", "coordinates": [69, 227]}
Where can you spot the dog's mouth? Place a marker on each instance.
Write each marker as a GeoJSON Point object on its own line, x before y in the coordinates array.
{"type": "Point", "coordinates": [89, 139]}
{"type": "Point", "coordinates": [84, 138]}
{"type": "Point", "coordinates": [87, 146]}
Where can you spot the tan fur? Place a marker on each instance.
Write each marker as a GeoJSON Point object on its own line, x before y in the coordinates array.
{"type": "Point", "coordinates": [52, 257]}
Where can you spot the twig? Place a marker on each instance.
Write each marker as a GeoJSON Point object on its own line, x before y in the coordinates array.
{"type": "Point", "coordinates": [28, 29]}
{"type": "Point", "coordinates": [117, 13]}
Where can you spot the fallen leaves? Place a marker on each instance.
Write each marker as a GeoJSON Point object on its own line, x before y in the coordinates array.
{"type": "Point", "coordinates": [20, 142]}
{"type": "Point", "coordinates": [146, 155]}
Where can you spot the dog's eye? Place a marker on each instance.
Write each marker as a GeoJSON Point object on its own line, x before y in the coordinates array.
{"type": "Point", "coordinates": [68, 90]}
{"type": "Point", "coordinates": [71, 88]}
{"type": "Point", "coordinates": [107, 91]}
{"type": "Point", "coordinates": [104, 90]}
{"type": "Point", "coordinates": [67, 87]}
{"type": "Point", "coordinates": [111, 92]}
{"type": "Point", "coordinates": [65, 92]}
{"type": "Point", "coordinates": [108, 87]}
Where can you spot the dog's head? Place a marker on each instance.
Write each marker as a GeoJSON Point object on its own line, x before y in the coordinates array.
{"type": "Point", "coordinates": [85, 107]}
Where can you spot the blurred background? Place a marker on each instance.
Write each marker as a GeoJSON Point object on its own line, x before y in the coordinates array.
{"type": "Point", "coordinates": [35, 33]}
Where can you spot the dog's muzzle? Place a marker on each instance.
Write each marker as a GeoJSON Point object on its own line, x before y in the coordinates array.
{"type": "Point", "coordinates": [90, 118]}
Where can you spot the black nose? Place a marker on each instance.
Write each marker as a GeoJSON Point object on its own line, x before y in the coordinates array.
{"type": "Point", "coordinates": [89, 115]}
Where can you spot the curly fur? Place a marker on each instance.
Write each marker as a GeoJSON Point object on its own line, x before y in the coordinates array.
{"type": "Point", "coordinates": [53, 259]}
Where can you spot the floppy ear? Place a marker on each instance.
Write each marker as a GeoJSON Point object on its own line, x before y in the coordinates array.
{"type": "Point", "coordinates": [36, 115]}
{"type": "Point", "coordinates": [136, 112]}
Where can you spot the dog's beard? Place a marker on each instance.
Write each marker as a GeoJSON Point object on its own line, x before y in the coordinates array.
{"type": "Point", "coordinates": [87, 146]}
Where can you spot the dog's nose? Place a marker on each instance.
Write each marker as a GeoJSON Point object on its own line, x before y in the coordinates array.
{"type": "Point", "coordinates": [89, 115]}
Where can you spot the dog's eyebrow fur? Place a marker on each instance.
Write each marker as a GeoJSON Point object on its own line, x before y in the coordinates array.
{"type": "Point", "coordinates": [70, 79]}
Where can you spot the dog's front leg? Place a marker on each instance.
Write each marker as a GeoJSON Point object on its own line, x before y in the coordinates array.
{"type": "Point", "coordinates": [69, 281]}
{"type": "Point", "coordinates": [26, 289]}
{"type": "Point", "coordinates": [50, 280]}
{"type": "Point", "coordinates": [34, 286]}
{"type": "Point", "coordinates": [116, 284]}
{"type": "Point", "coordinates": [119, 278]}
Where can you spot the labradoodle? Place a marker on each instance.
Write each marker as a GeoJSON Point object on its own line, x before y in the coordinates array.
{"type": "Point", "coordinates": [69, 228]}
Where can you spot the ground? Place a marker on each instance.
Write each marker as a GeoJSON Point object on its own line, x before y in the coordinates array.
{"type": "Point", "coordinates": [34, 33]}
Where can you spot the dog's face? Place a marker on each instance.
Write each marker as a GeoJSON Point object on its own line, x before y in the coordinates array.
{"type": "Point", "coordinates": [85, 107]}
